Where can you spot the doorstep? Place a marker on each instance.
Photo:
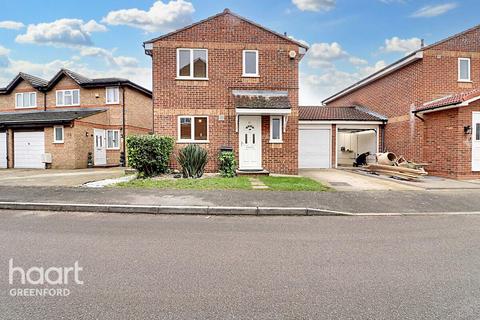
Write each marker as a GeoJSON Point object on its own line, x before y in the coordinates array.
{"type": "Point", "coordinates": [253, 172]}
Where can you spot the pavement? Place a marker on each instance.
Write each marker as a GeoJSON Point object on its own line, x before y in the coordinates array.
{"type": "Point", "coordinates": [56, 177]}
{"type": "Point", "coordinates": [349, 180]}
{"type": "Point", "coordinates": [365, 202]}
{"type": "Point", "coordinates": [189, 267]}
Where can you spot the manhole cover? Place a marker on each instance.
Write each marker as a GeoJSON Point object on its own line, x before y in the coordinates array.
{"type": "Point", "coordinates": [340, 184]}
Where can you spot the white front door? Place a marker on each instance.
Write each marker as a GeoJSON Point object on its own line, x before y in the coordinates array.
{"type": "Point", "coordinates": [28, 149]}
{"type": "Point", "coordinates": [476, 141]}
{"type": "Point", "coordinates": [3, 150]}
{"type": "Point", "coordinates": [100, 151]}
{"type": "Point", "coordinates": [250, 135]}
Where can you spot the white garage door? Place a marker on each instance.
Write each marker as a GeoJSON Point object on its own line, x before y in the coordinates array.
{"type": "Point", "coordinates": [314, 148]}
{"type": "Point", "coordinates": [3, 150]}
{"type": "Point", "coordinates": [28, 149]}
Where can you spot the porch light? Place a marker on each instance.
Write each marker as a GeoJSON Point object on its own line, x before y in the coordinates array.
{"type": "Point", "coordinates": [467, 129]}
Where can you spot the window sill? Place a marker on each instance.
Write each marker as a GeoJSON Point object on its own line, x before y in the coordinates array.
{"type": "Point", "coordinates": [276, 141]}
{"type": "Point", "coordinates": [193, 141]}
{"type": "Point", "coordinates": [68, 105]}
{"type": "Point", "coordinates": [112, 103]}
{"type": "Point", "coordinates": [250, 76]}
{"type": "Point", "coordinates": [23, 108]}
{"type": "Point", "coordinates": [191, 79]}
{"type": "Point", "coordinates": [112, 149]}
{"type": "Point", "coordinates": [58, 142]}
{"type": "Point", "coordinates": [465, 81]}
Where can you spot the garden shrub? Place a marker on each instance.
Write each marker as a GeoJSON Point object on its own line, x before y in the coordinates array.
{"type": "Point", "coordinates": [149, 154]}
{"type": "Point", "coordinates": [193, 160]}
{"type": "Point", "coordinates": [228, 164]}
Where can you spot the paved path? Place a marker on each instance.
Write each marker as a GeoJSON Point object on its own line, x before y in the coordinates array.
{"type": "Point", "coordinates": [162, 267]}
{"type": "Point", "coordinates": [54, 177]}
{"type": "Point", "coordinates": [355, 202]}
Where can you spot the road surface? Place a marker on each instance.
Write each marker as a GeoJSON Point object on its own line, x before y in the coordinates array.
{"type": "Point", "coordinates": [187, 267]}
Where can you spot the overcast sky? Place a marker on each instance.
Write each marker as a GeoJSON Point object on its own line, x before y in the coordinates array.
{"type": "Point", "coordinates": [348, 39]}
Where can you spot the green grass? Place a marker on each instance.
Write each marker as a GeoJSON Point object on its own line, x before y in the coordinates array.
{"type": "Point", "coordinates": [292, 184]}
{"type": "Point", "coordinates": [219, 183]}
{"type": "Point", "coordinates": [214, 183]}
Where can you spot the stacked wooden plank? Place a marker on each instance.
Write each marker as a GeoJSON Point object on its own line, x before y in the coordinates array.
{"type": "Point", "coordinates": [388, 164]}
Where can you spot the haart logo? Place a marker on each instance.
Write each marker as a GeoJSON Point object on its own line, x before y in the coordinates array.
{"type": "Point", "coordinates": [40, 276]}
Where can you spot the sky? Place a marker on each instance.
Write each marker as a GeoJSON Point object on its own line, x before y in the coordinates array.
{"type": "Point", "coordinates": [348, 39]}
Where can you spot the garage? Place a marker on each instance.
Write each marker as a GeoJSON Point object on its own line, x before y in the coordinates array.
{"type": "Point", "coordinates": [314, 147]}
{"type": "Point", "coordinates": [3, 150]}
{"type": "Point", "coordinates": [29, 147]}
{"type": "Point", "coordinates": [336, 136]}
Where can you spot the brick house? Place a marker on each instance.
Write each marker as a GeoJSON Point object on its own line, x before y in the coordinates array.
{"type": "Point", "coordinates": [432, 103]}
{"type": "Point", "coordinates": [57, 123]}
{"type": "Point", "coordinates": [228, 82]}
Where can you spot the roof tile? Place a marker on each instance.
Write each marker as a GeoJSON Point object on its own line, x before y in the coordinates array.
{"type": "Point", "coordinates": [352, 113]}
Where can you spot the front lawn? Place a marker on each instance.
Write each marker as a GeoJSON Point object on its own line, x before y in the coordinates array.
{"type": "Point", "coordinates": [219, 183]}
{"type": "Point", "coordinates": [292, 184]}
{"type": "Point", "coordinates": [214, 183]}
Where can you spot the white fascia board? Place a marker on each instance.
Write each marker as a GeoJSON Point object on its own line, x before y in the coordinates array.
{"type": "Point", "coordinates": [340, 122]}
{"type": "Point", "coordinates": [261, 112]}
{"type": "Point", "coordinates": [383, 73]}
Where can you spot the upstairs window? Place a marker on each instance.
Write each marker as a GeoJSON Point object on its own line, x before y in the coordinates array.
{"type": "Point", "coordinates": [68, 98]}
{"type": "Point", "coordinates": [464, 69]}
{"type": "Point", "coordinates": [250, 63]}
{"type": "Point", "coordinates": [192, 64]}
{"type": "Point", "coordinates": [26, 100]}
{"type": "Point", "coordinates": [113, 95]}
{"type": "Point", "coordinates": [193, 129]}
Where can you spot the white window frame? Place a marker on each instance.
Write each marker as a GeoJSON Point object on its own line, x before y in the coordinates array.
{"type": "Point", "coordinates": [106, 95]}
{"type": "Point", "coordinates": [55, 134]}
{"type": "Point", "coordinates": [192, 130]}
{"type": "Point", "coordinates": [280, 140]}
{"type": "Point", "coordinates": [244, 73]}
{"type": "Point", "coordinates": [67, 105]}
{"type": "Point", "coordinates": [191, 76]}
{"type": "Point", "coordinates": [106, 138]}
{"type": "Point", "coordinates": [469, 70]}
{"type": "Point", "coordinates": [22, 94]}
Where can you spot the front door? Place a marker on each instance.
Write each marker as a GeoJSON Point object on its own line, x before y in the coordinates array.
{"type": "Point", "coordinates": [100, 151]}
{"type": "Point", "coordinates": [476, 141]}
{"type": "Point", "coordinates": [250, 134]}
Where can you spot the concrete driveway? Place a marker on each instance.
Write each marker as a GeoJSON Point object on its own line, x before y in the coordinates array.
{"type": "Point", "coordinates": [57, 178]}
{"type": "Point", "coordinates": [344, 180]}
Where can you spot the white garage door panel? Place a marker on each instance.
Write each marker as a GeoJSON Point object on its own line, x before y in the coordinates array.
{"type": "Point", "coordinates": [28, 149]}
{"type": "Point", "coordinates": [314, 148]}
{"type": "Point", "coordinates": [3, 150]}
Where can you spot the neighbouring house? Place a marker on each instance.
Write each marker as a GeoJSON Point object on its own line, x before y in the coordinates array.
{"type": "Point", "coordinates": [431, 99]}
{"type": "Point", "coordinates": [58, 123]}
{"type": "Point", "coordinates": [228, 82]}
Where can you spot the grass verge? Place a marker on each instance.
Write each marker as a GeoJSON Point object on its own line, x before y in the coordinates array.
{"type": "Point", "coordinates": [214, 183]}
{"type": "Point", "coordinates": [292, 184]}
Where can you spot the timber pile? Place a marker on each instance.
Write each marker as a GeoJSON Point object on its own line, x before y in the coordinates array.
{"type": "Point", "coordinates": [388, 164]}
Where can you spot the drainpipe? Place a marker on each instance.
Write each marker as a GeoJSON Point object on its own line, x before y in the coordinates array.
{"type": "Point", "coordinates": [123, 126]}
{"type": "Point", "coordinates": [44, 100]}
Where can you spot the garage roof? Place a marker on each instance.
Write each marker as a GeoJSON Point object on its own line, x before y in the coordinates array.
{"type": "Point", "coordinates": [46, 117]}
{"type": "Point", "coordinates": [351, 113]}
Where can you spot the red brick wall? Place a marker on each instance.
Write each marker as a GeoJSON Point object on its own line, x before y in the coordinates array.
{"type": "Point", "coordinates": [226, 37]}
{"type": "Point", "coordinates": [399, 93]}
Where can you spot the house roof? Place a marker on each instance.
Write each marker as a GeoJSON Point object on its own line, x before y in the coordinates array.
{"type": "Point", "coordinates": [412, 57]}
{"type": "Point", "coordinates": [46, 117]}
{"type": "Point", "coordinates": [450, 100]}
{"type": "Point", "coordinates": [261, 99]}
{"type": "Point", "coordinates": [225, 12]}
{"type": "Point", "coordinates": [92, 83]}
{"type": "Point", "coordinates": [351, 113]}
{"type": "Point", "coordinates": [36, 82]}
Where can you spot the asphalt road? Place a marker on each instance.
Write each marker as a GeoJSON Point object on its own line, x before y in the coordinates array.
{"type": "Point", "coordinates": [180, 267]}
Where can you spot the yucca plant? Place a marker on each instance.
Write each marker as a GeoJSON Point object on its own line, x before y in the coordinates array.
{"type": "Point", "coordinates": [193, 160]}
